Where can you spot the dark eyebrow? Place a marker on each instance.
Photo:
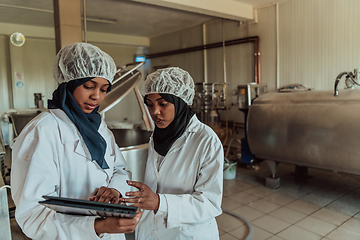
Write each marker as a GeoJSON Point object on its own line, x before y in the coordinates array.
{"type": "Point", "coordinates": [156, 99]}
{"type": "Point", "coordinates": [108, 84]}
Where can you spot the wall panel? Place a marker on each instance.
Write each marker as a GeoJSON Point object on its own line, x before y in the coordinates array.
{"type": "Point", "coordinates": [318, 41]}
{"type": "Point", "coordinates": [4, 74]}
{"type": "Point", "coordinates": [191, 62]}
{"type": "Point", "coordinates": [31, 71]}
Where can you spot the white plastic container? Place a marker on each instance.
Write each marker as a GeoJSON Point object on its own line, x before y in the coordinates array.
{"type": "Point", "coordinates": [229, 170]}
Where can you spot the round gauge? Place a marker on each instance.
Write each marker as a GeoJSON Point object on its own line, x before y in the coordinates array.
{"type": "Point", "coordinates": [17, 39]}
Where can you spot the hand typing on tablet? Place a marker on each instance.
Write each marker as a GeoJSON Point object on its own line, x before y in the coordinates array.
{"type": "Point", "coordinates": [106, 195]}
{"type": "Point", "coordinates": [116, 225]}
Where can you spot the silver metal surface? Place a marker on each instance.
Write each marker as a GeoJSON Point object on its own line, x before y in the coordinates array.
{"type": "Point", "coordinates": [313, 129]}
{"type": "Point", "coordinates": [14, 120]}
{"type": "Point", "coordinates": [121, 86]}
{"type": "Point", "coordinates": [248, 92]}
{"type": "Point", "coordinates": [134, 144]}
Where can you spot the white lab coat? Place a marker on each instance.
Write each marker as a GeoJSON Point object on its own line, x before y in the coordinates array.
{"type": "Point", "coordinates": [189, 183]}
{"type": "Point", "coordinates": [50, 158]}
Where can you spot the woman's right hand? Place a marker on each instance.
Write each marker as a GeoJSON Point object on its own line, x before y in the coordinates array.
{"type": "Point", "coordinates": [117, 225]}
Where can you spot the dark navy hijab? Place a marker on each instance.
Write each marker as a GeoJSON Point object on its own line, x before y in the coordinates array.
{"type": "Point", "coordinates": [165, 137]}
{"type": "Point", "coordinates": [87, 124]}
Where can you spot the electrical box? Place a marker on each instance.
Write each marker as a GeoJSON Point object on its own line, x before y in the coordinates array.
{"type": "Point", "coordinates": [247, 93]}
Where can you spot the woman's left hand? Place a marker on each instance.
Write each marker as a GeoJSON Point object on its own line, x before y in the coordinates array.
{"type": "Point", "coordinates": [145, 198]}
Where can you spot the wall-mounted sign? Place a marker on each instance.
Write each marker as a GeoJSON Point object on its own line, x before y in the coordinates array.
{"type": "Point", "coordinates": [19, 84]}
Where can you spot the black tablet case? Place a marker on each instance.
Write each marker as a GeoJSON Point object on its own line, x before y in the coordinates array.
{"type": "Point", "coordinates": [88, 208]}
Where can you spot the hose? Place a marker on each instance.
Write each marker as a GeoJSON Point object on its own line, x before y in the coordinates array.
{"type": "Point", "coordinates": [229, 145]}
{"type": "Point", "coordinates": [248, 224]}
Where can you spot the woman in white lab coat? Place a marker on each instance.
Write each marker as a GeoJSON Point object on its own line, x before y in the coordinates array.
{"type": "Point", "coordinates": [182, 190]}
{"type": "Point", "coordinates": [68, 151]}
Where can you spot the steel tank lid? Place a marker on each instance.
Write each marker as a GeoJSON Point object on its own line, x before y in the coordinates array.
{"type": "Point", "coordinates": [131, 137]}
{"type": "Point", "coordinates": [124, 81]}
{"type": "Point", "coordinates": [320, 97]}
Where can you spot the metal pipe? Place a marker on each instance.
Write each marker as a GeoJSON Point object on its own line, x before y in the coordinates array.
{"type": "Point", "coordinates": [205, 54]}
{"type": "Point", "coordinates": [255, 64]}
{"type": "Point", "coordinates": [10, 79]}
{"type": "Point", "coordinates": [223, 47]}
{"type": "Point", "coordinates": [208, 46]}
{"type": "Point", "coordinates": [84, 13]}
{"type": "Point", "coordinates": [277, 48]}
{"type": "Point", "coordinates": [255, 40]}
{"type": "Point", "coordinates": [258, 61]}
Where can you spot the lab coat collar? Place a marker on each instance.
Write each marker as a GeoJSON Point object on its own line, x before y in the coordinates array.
{"type": "Point", "coordinates": [69, 132]}
{"type": "Point", "coordinates": [193, 126]}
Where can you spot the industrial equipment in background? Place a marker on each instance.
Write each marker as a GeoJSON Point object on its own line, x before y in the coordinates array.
{"type": "Point", "coordinates": [351, 80]}
{"type": "Point", "coordinates": [245, 96]}
{"type": "Point", "coordinates": [297, 87]}
{"type": "Point", "coordinates": [208, 100]}
{"type": "Point", "coordinates": [308, 129]}
{"type": "Point", "coordinates": [39, 103]}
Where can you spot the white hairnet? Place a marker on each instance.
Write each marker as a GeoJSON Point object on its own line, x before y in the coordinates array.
{"type": "Point", "coordinates": [81, 60]}
{"type": "Point", "coordinates": [172, 80]}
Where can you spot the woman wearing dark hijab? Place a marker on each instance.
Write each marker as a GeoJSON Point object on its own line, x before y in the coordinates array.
{"type": "Point", "coordinates": [182, 190]}
{"type": "Point", "coordinates": [68, 151]}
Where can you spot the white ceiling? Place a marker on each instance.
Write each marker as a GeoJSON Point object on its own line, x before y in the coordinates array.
{"type": "Point", "coordinates": [133, 18]}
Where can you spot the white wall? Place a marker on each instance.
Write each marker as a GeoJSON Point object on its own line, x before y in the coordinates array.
{"type": "Point", "coordinates": [317, 41]}
{"type": "Point", "coordinates": [192, 62]}
{"type": "Point", "coordinates": [4, 74]}
{"type": "Point", "coordinates": [31, 71]}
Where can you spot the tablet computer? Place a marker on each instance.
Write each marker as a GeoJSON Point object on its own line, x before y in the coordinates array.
{"type": "Point", "coordinates": [88, 208]}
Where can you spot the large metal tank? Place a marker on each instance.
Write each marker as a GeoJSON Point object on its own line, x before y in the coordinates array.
{"type": "Point", "coordinates": [310, 129]}
{"type": "Point", "coordinates": [134, 144]}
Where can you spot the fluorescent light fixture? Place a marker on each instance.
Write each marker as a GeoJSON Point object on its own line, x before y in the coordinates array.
{"type": "Point", "coordinates": [101, 20]}
{"type": "Point", "coordinates": [140, 58]}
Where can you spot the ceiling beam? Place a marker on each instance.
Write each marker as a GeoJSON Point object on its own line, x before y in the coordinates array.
{"type": "Point", "coordinates": [93, 37]}
{"type": "Point", "coordinates": [228, 9]}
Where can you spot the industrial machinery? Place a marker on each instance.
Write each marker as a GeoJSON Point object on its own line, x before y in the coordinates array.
{"type": "Point", "coordinates": [307, 128]}
{"type": "Point", "coordinates": [245, 96]}
{"type": "Point", "coordinates": [133, 143]}
{"type": "Point", "coordinates": [208, 100]}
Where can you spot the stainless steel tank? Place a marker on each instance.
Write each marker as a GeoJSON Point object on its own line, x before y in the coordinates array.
{"type": "Point", "coordinates": [310, 129]}
{"type": "Point", "coordinates": [134, 144]}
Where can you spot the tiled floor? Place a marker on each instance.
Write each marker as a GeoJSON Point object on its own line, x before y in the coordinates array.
{"type": "Point", "coordinates": [323, 206]}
